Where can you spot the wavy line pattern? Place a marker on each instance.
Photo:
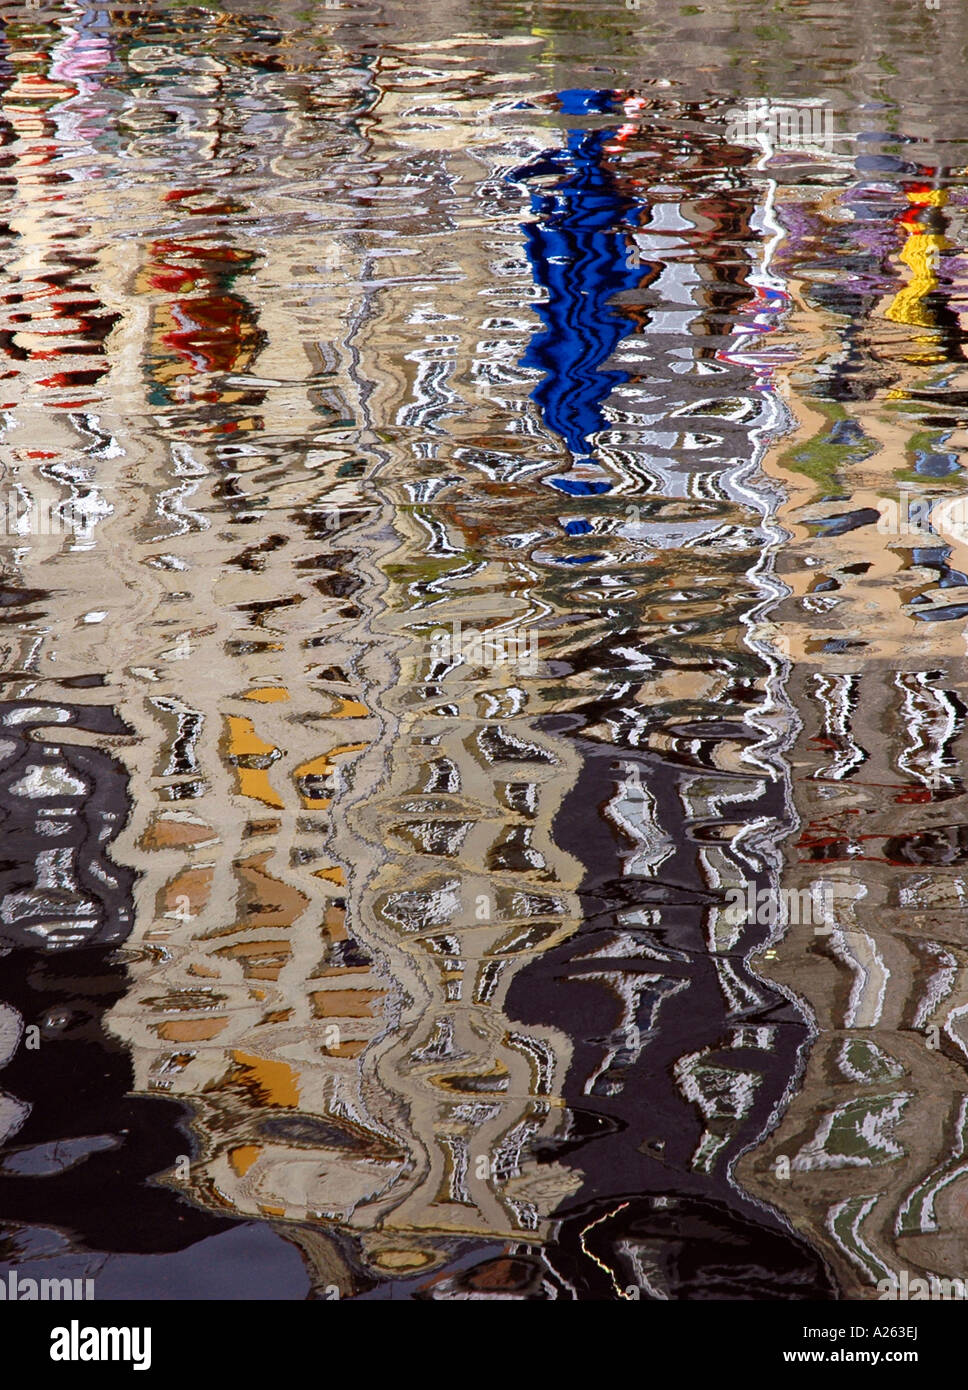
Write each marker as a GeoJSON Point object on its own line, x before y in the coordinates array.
{"type": "Point", "coordinates": [454, 627]}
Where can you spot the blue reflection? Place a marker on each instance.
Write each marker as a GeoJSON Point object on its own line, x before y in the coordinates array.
{"type": "Point", "coordinates": [577, 254]}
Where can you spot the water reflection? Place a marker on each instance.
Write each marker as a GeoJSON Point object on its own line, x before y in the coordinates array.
{"type": "Point", "coordinates": [487, 461]}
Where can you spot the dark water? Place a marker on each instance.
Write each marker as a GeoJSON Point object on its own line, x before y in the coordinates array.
{"type": "Point", "coordinates": [482, 497]}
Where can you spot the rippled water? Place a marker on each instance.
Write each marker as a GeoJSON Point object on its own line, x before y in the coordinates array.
{"type": "Point", "coordinates": [346, 952]}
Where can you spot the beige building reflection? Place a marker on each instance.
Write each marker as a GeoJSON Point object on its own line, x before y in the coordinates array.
{"type": "Point", "coordinates": [868, 1161]}
{"type": "Point", "coordinates": [345, 854]}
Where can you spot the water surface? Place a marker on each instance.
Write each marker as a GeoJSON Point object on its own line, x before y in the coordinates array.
{"type": "Point", "coordinates": [340, 957]}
